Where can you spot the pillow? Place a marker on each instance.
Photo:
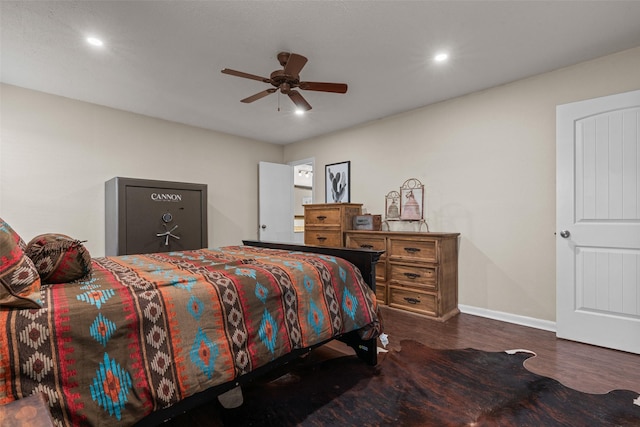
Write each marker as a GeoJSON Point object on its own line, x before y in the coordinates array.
{"type": "Point", "coordinates": [59, 258]}
{"type": "Point", "coordinates": [19, 279]}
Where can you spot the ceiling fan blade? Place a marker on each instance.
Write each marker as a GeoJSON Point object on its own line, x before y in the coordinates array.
{"type": "Point", "coordinates": [299, 100]}
{"type": "Point", "coordinates": [258, 95]}
{"type": "Point", "coordinates": [294, 64]}
{"type": "Point", "coordinates": [324, 87]}
{"type": "Point", "coordinates": [245, 75]}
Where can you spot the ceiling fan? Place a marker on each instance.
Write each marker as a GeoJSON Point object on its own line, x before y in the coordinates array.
{"type": "Point", "coordinates": [287, 80]}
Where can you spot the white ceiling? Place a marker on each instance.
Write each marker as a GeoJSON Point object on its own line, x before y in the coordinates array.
{"type": "Point", "coordinates": [163, 58]}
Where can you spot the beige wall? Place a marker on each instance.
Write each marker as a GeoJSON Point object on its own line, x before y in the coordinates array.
{"type": "Point", "coordinates": [488, 164]}
{"type": "Point", "coordinates": [57, 153]}
{"type": "Point", "coordinates": [487, 161]}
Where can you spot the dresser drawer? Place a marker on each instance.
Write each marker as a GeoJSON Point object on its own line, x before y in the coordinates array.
{"type": "Point", "coordinates": [359, 241]}
{"type": "Point", "coordinates": [323, 237]}
{"type": "Point", "coordinates": [412, 300]}
{"type": "Point", "coordinates": [414, 275]}
{"type": "Point", "coordinates": [324, 216]}
{"type": "Point", "coordinates": [381, 292]}
{"type": "Point", "coordinates": [413, 250]}
{"type": "Point", "coordinates": [381, 271]}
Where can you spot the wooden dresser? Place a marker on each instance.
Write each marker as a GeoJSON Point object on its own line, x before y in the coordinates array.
{"type": "Point", "coordinates": [418, 272]}
{"type": "Point", "coordinates": [325, 223]}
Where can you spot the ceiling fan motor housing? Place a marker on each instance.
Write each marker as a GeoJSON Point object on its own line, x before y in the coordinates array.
{"type": "Point", "coordinates": [284, 81]}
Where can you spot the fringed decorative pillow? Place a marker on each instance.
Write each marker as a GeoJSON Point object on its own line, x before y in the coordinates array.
{"type": "Point", "coordinates": [59, 258]}
{"type": "Point", "coordinates": [19, 279]}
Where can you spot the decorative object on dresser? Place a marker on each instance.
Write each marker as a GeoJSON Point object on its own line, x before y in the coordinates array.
{"type": "Point", "coordinates": [418, 271]}
{"type": "Point", "coordinates": [325, 223]}
{"type": "Point", "coordinates": [338, 182]}
{"type": "Point", "coordinates": [367, 222]}
{"type": "Point", "coordinates": [148, 216]}
{"type": "Point", "coordinates": [406, 205]}
{"type": "Point", "coordinates": [391, 206]}
{"type": "Point", "coordinates": [412, 200]}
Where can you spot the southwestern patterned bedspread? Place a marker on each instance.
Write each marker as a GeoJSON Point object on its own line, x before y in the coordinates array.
{"type": "Point", "coordinates": [145, 331]}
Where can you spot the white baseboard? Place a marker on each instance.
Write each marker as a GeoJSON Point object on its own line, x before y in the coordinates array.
{"type": "Point", "coordinates": [531, 322]}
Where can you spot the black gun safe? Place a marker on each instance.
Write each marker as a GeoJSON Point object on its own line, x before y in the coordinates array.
{"type": "Point", "coordinates": [145, 216]}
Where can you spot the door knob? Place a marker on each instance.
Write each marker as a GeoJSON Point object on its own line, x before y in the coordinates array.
{"type": "Point", "coordinates": [263, 226]}
{"type": "Point", "coordinates": [565, 234]}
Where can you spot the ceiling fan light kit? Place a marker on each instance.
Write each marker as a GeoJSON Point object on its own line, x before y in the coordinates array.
{"type": "Point", "coordinates": [287, 80]}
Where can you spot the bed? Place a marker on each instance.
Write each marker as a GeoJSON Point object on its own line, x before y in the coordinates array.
{"type": "Point", "coordinates": [140, 338]}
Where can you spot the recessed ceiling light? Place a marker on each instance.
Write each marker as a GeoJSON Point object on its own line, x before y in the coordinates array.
{"type": "Point", "coordinates": [441, 57]}
{"type": "Point", "coordinates": [93, 41]}
{"type": "Point", "coordinates": [300, 112]}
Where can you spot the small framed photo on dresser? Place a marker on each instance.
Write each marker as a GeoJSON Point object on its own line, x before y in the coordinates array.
{"type": "Point", "coordinates": [338, 182]}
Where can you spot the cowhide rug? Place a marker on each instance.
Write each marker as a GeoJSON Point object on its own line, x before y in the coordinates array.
{"type": "Point", "coordinates": [420, 386]}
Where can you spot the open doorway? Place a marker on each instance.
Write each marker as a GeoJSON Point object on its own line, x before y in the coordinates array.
{"type": "Point", "coordinates": [303, 178]}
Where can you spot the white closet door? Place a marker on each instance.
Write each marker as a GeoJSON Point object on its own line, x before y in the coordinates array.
{"type": "Point", "coordinates": [598, 221]}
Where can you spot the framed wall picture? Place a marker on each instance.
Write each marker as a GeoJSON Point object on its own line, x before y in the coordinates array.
{"type": "Point", "coordinates": [338, 182]}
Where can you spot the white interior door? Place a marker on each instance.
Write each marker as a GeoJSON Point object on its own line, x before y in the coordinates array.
{"type": "Point", "coordinates": [275, 202]}
{"type": "Point", "coordinates": [598, 220]}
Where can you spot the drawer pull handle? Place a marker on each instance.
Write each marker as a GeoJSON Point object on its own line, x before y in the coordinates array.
{"type": "Point", "coordinates": [321, 217]}
{"type": "Point", "coordinates": [412, 275]}
{"type": "Point", "coordinates": [322, 239]}
{"type": "Point", "coordinates": [412, 300]}
{"type": "Point", "coordinates": [412, 250]}
{"type": "Point", "coordinates": [366, 246]}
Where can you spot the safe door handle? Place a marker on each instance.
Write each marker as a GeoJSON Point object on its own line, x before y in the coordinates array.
{"type": "Point", "coordinates": [168, 234]}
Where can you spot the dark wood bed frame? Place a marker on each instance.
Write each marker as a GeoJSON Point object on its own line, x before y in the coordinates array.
{"type": "Point", "coordinates": [366, 350]}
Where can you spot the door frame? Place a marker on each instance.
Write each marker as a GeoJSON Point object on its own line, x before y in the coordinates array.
{"type": "Point", "coordinates": [299, 236]}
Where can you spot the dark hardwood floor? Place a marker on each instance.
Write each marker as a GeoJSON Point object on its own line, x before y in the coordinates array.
{"type": "Point", "coordinates": [583, 367]}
